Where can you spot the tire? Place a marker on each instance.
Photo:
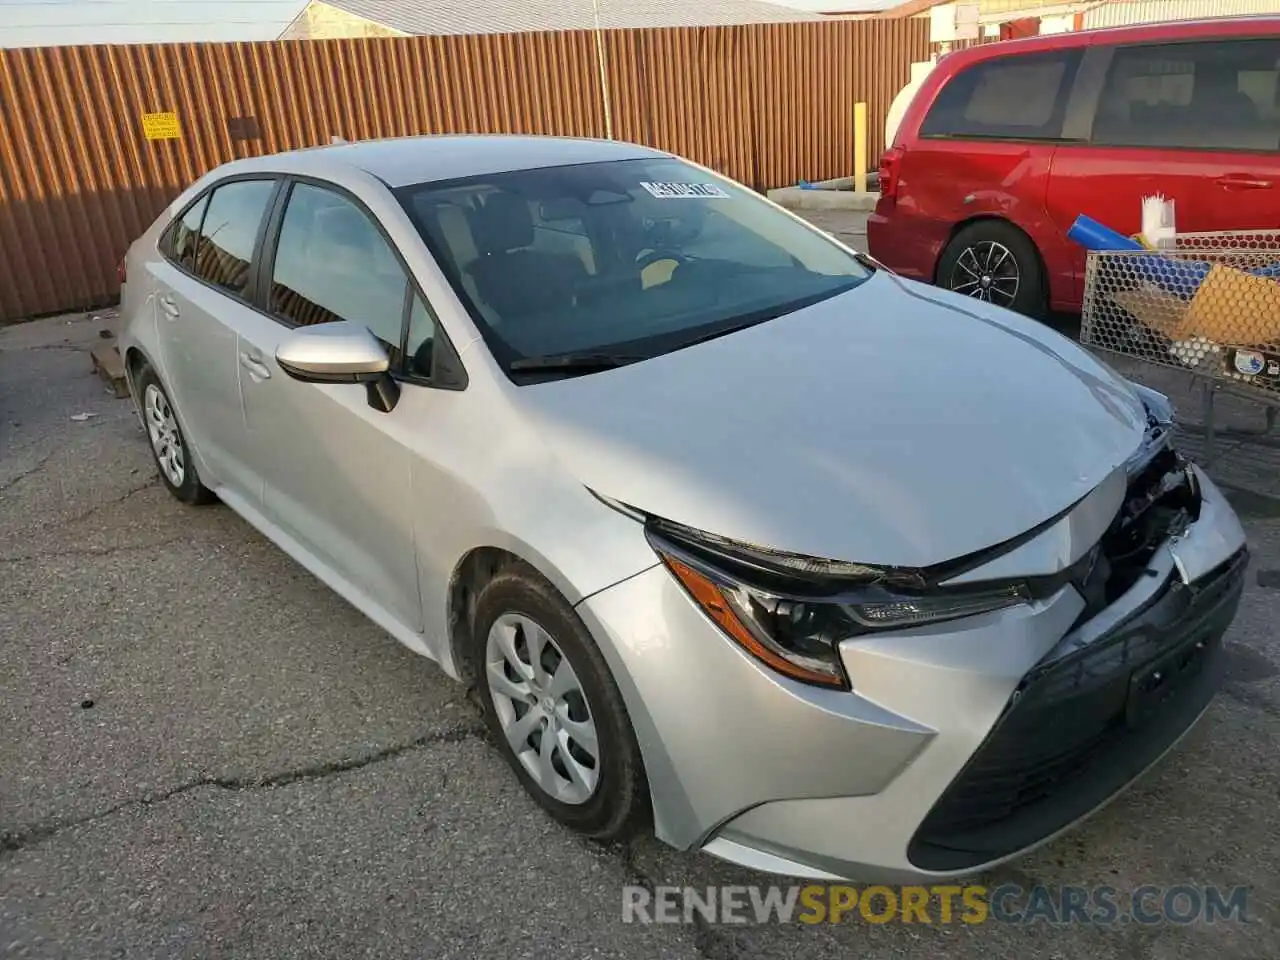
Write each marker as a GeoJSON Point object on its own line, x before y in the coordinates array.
{"type": "Point", "coordinates": [168, 444]}
{"type": "Point", "coordinates": [523, 608]}
{"type": "Point", "coordinates": [977, 263]}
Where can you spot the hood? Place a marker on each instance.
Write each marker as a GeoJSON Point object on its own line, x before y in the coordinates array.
{"type": "Point", "coordinates": [895, 424]}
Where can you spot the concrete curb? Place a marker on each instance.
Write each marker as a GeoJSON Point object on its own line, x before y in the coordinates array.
{"type": "Point", "coordinates": [110, 367]}
{"type": "Point", "coordinates": [835, 194]}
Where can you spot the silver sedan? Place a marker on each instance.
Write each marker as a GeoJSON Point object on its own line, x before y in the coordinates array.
{"type": "Point", "coordinates": [735, 534]}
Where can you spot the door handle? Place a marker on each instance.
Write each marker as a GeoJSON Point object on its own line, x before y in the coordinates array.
{"type": "Point", "coordinates": [1239, 182]}
{"type": "Point", "coordinates": [257, 369]}
{"type": "Point", "coordinates": [170, 308]}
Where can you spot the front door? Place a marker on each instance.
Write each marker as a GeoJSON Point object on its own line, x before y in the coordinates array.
{"type": "Point", "coordinates": [337, 480]}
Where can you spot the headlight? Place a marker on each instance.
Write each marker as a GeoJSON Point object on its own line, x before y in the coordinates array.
{"type": "Point", "coordinates": [794, 622]}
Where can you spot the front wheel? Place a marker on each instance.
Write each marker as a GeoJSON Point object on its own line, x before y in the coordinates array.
{"type": "Point", "coordinates": [554, 709]}
{"type": "Point", "coordinates": [997, 263]}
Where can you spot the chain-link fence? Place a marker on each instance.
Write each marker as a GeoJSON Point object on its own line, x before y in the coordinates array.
{"type": "Point", "coordinates": [1210, 307]}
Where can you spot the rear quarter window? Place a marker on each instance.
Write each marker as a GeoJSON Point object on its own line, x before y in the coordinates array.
{"type": "Point", "coordinates": [1007, 98]}
{"type": "Point", "coordinates": [179, 244]}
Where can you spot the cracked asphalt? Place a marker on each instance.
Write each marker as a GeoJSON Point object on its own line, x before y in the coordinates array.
{"type": "Point", "coordinates": [206, 753]}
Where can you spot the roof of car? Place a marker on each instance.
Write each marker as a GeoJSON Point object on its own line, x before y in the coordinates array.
{"type": "Point", "coordinates": [1219, 28]}
{"type": "Point", "coordinates": [1228, 26]}
{"type": "Point", "coordinates": [407, 160]}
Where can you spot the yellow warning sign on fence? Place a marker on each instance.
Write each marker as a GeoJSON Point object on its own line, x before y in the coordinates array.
{"type": "Point", "coordinates": [160, 126]}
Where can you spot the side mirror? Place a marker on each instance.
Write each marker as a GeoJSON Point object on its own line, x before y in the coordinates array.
{"type": "Point", "coordinates": [341, 352]}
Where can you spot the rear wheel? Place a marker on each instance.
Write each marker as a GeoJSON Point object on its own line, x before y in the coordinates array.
{"type": "Point", "coordinates": [168, 444]}
{"type": "Point", "coordinates": [997, 263]}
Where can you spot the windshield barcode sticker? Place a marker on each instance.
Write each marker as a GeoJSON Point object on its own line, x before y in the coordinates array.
{"type": "Point", "coordinates": [685, 191]}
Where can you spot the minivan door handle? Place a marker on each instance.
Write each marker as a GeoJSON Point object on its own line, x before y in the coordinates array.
{"type": "Point", "coordinates": [1236, 181]}
{"type": "Point", "coordinates": [169, 307]}
{"type": "Point", "coordinates": [258, 370]}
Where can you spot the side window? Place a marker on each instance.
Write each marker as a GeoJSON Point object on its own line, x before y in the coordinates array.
{"type": "Point", "coordinates": [422, 339]}
{"type": "Point", "coordinates": [1214, 95]}
{"type": "Point", "coordinates": [333, 264]}
{"type": "Point", "coordinates": [1014, 98]}
{"type": "Point", "coordinates": [224, 254]}
{"type": "Point", "coordinates": [184, 233]}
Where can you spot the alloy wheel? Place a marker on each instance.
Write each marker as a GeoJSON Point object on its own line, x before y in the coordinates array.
{"type": "Point", "coordinates": [987, 271]}
{"type": "Point", "coordinates": [542, 709]}
{"type": "Point", "coordinates": [162, 428]}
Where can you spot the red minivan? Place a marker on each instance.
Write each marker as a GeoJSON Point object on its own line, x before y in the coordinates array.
{"type": "Point", "coordinates": [1006, 143]}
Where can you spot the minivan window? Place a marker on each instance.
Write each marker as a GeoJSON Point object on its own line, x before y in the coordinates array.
{"type": "Point", "coordinates": [633, 256]}
{"type": "Point", "coordinates": [1013, 98]}
{"type": "Point", "coordinates": [230, 230]}
{"type": "Point", "coordinates": [1205, 95]}
{"type": "Point", "coordinates": [332, 263]}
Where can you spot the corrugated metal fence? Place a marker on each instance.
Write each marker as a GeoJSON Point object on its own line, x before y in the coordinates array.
{"type": "Point", "coordinates": [765, 104]}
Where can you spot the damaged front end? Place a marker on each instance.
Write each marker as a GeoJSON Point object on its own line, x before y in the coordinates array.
{"type": "Point", "coordinates": [1162, 500]}
{"type": "Point", "coordinates": [792, 612]}
{"type": "Point", "coordinates": [1137, 668]}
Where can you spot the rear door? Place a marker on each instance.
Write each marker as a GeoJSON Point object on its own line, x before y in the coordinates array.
{"type": "Point", "coordinates": [203, 293]}
{"type": "Point", "coordinates": [1196, 121]}
{"type": "Point", "coordinates": [984, 150]}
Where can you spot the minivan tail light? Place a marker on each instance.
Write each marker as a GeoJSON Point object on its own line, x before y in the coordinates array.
{"type": "Point", "coordinates": [122, 271]}
{"type": "Point", "coordinates": [890, 164]}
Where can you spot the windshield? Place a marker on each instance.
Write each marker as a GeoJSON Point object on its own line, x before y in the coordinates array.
{"type": "Point", "coordinates": [630, 258]}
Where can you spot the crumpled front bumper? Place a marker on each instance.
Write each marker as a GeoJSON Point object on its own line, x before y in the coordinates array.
{"type": "Point", "coordinates": [941, 760]}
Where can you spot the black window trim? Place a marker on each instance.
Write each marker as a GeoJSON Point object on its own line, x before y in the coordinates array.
{"type": "Point", "coordinates": [1075, 57]}
{"type": "Point", "coordinates": [448, 372]}
{"type": "Point", "coordinates": [1111, 49]}
{"type": "Point", "coordinates": [249, 298]}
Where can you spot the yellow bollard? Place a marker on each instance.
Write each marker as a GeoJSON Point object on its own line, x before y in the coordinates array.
{"type": "Point", "coordinates": [860, 147]}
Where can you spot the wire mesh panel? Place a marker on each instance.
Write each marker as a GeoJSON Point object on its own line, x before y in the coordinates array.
{"type": "Point", "coordinates": [1210, 307]}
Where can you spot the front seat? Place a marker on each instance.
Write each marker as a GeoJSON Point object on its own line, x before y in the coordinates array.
{"type": "Point", "coordinates": [509, 276]}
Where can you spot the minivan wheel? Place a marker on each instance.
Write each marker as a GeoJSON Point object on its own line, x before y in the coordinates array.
{"type": "Point", "coordinates": [554, 709]}
{"type": "Point", "coordinates": [168, 444]}
{"type": "Point", "coordinates": [995, 262]}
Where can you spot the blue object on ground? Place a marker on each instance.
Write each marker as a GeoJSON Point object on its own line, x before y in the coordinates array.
{"type": "Point", "coordinates": [1092, 235]}
{"type": "Point", "coordinates": [806, 185]}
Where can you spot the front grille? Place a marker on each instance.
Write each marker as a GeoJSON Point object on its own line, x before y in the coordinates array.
{"type": "Point", "coordinates": [1080, 727]}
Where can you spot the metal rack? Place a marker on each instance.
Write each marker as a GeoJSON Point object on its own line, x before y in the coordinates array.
{"type": "Point", "coordinates": [1210, 308]}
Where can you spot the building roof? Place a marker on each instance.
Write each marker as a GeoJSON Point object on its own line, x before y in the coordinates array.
{"type": "Point", "coordinates": [520, 16]}
{"type": "Point", "coordinates": [1119, 13]}
{"type": "Point", "coordinates": [993, 11]}
{"type": "Point", "coordinates": [910, 8]}
{"type": "Point", "coordinates": [838, 8]}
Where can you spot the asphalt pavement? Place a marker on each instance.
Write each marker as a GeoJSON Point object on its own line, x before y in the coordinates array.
{"type": "Point", "coordinates": [206, 753]}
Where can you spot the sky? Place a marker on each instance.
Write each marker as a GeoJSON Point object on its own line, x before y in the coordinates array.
{"type": "Point", "coordinates": [56, 22]}
{"type": "Point", "coordinates": [26, 23]}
